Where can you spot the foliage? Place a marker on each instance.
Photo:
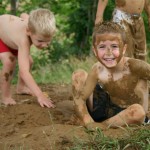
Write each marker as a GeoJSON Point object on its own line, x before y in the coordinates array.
{"type": "Point", "coordinates": [137, 139]}
{"type": "Point", "coordinates": [61, 71]}
{"type": "Point", "coordinates": [75, 22]}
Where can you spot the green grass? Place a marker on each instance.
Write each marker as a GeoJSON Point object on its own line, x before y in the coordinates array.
{"type": "Point", "coordinates": [138, 139]}
{"type": "Point", "coordinates": [61, 71]}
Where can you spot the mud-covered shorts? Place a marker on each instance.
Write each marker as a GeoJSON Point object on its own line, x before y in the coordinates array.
{"type": "Point", "coordinates": [103, 108]}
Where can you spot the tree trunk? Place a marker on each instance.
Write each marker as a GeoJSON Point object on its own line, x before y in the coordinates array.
{"type": "Point", "coordinates": [13, 7]}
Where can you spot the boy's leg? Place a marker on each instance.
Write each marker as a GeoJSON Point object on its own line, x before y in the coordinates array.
{"type": "Point", "coordinates": [78, 80]}
{"type": "Point", "coordinates": [21, 86]}
{"type": "Point", "coordinates": [134, 114]}
{"type": "Point", "coordinates": [139, 36]}
{"type": "Point", "coordinates": [9, 63]}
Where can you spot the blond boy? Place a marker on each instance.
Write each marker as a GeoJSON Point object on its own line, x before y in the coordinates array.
{"type": "Point", "coordinates": [16, 37]}
{"type": "Point", "coordinates": [128, 14]}
{"type": "Point", "coordinates": [115, 90]}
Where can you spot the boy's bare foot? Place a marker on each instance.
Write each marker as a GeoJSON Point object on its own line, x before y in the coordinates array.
{"type": "Point", "coordinates": [9, 101]}
{"type": "Point", "coordinates": [24, 91]}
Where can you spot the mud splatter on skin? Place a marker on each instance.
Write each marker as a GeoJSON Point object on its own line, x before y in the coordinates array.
{"type": "Point", "coordinates": [6, 76]}
{"type": "Point", "coordinates": [12, 58]}
{"type": "Point", "coordinates": [120, 3]}
{"type": "Point", "coordinates": [123, 89]}
{"type": "Point", "coordinates": [109, 31]}
{"type": "Point", "coordinates": [11, 72]}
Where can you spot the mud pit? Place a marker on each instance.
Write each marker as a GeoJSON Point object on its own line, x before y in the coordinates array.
{"type": "Point", "coordinates": [29, 126]}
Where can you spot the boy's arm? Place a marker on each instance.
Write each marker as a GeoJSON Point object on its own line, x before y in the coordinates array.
{"type": "Point", "coordinates": [140, 68]}
{"type": "Point", "coordinates": [100, 11]}
{"type": "Point", "coordinates": [24, 68]}
{"type": "Point", "coordinates": [147, 10]}
{"type": "Point", "coordinates": [80, 100]}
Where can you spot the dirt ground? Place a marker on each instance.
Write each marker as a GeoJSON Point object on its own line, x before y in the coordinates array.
{"type": "Point", "coordinates": [28, 126]}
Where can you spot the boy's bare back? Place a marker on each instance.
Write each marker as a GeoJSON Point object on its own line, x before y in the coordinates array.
{"type": "Point", "coordinates": [13, 30]}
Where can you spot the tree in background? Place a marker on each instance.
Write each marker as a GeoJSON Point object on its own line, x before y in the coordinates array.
{"type": "Point", "coordinates": [13, 7]}
{"type": "Point", "coordinates": [75, 22]}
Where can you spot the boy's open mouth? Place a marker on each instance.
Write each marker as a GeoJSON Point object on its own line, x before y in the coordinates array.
{"type": "Point", "coordinates": [109, 59]}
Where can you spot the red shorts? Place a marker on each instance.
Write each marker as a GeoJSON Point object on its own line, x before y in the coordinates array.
{"type": "Point", "coordinates": [5, 48]}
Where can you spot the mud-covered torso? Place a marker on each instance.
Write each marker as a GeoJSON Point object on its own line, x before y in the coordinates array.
{"type": "Point", "coordinates": [130, 6]}
{"type": "Point", "coordinates": [122, 91]}
{"type": "Point", "coordinates": [125, 87]}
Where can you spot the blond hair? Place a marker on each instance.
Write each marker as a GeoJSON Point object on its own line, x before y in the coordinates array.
{"type": "Point", "coordinates": [42, 21]}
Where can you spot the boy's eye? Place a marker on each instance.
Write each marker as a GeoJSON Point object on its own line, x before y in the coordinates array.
{"type": "Point", "coordinates": [101, 46]}
{"type": "Point", "coordinates": [40, 41]}
{"type": "Point", "coordinates": [114, 46]}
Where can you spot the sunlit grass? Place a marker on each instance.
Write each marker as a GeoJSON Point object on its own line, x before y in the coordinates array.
{"type": "Point", "coordinates": [138, 139]}
{"type": "Point", "coordinates": [61, 71]}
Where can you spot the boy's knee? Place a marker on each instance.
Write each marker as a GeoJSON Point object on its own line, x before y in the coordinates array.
{"type": "Point", "coordinates": [10, 62]}
{"type": "Point", "coordinates": [136, 113]}
{"type": "Point", "coordinates": [79, 78]}
{"type": "Point", "coordinates": [82, 74]}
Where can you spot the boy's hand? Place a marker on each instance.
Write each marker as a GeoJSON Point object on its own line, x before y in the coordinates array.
{"type": "Point", "coordinates": [46, 102]}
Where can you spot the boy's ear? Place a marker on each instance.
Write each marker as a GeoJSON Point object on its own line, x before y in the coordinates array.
{"type": "Point", "coordinates": [124, 49]}
{"type": "Point", "coordinates": [28, 31]}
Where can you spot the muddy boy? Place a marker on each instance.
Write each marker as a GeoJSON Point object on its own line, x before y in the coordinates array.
{"type": "Point", "coordinates": [115, 90]}
{"type": "Point", "coordinates": [127, 14]}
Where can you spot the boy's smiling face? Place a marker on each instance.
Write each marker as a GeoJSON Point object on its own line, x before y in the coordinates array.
{"type": "Point", "coordinates": [109, 49]}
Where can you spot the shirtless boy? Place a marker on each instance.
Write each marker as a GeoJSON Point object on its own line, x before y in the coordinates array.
{"type": "Point", "coordinates": [115, 90]}
{"type": "Point", "coordinates": [16, 37]}
{"type": "Point", "coordinates": [127, 14]}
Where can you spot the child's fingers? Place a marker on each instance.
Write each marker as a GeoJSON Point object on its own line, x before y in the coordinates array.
{"type": "Point", "coordinates": [47, 103]}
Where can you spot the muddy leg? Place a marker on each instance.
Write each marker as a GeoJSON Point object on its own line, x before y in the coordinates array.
{"type": "Point", "coordinates": [9, 63]}
{"type": "Point", "coordinates": [134, 114]}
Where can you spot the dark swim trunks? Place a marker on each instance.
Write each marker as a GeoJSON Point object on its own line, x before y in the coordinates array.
{"type": "Point", "coordinates": [5, 48]}
{"type": "Point", "coordinates": [103, 108]}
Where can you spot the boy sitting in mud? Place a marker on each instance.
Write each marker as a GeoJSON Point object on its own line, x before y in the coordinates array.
{"type": "Point", "coordinates": [128, 14]}
{"type": "Point", "coordinates": [16, 37]}
{"type": "Point", "coordinates": [115, 90]}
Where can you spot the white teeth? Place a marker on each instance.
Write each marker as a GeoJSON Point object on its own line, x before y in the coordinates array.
{"type": "Point", "coordinates": [108, 59]}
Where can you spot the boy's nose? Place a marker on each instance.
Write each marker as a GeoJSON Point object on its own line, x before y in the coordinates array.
{"type": "Point", "coordinates": [108, 52]}
{"type": "Point", "coordinates": [45, 45]}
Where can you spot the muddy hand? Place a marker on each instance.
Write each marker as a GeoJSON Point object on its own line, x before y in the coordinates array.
{"type": "Point", "coordinates": [46, 102]}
